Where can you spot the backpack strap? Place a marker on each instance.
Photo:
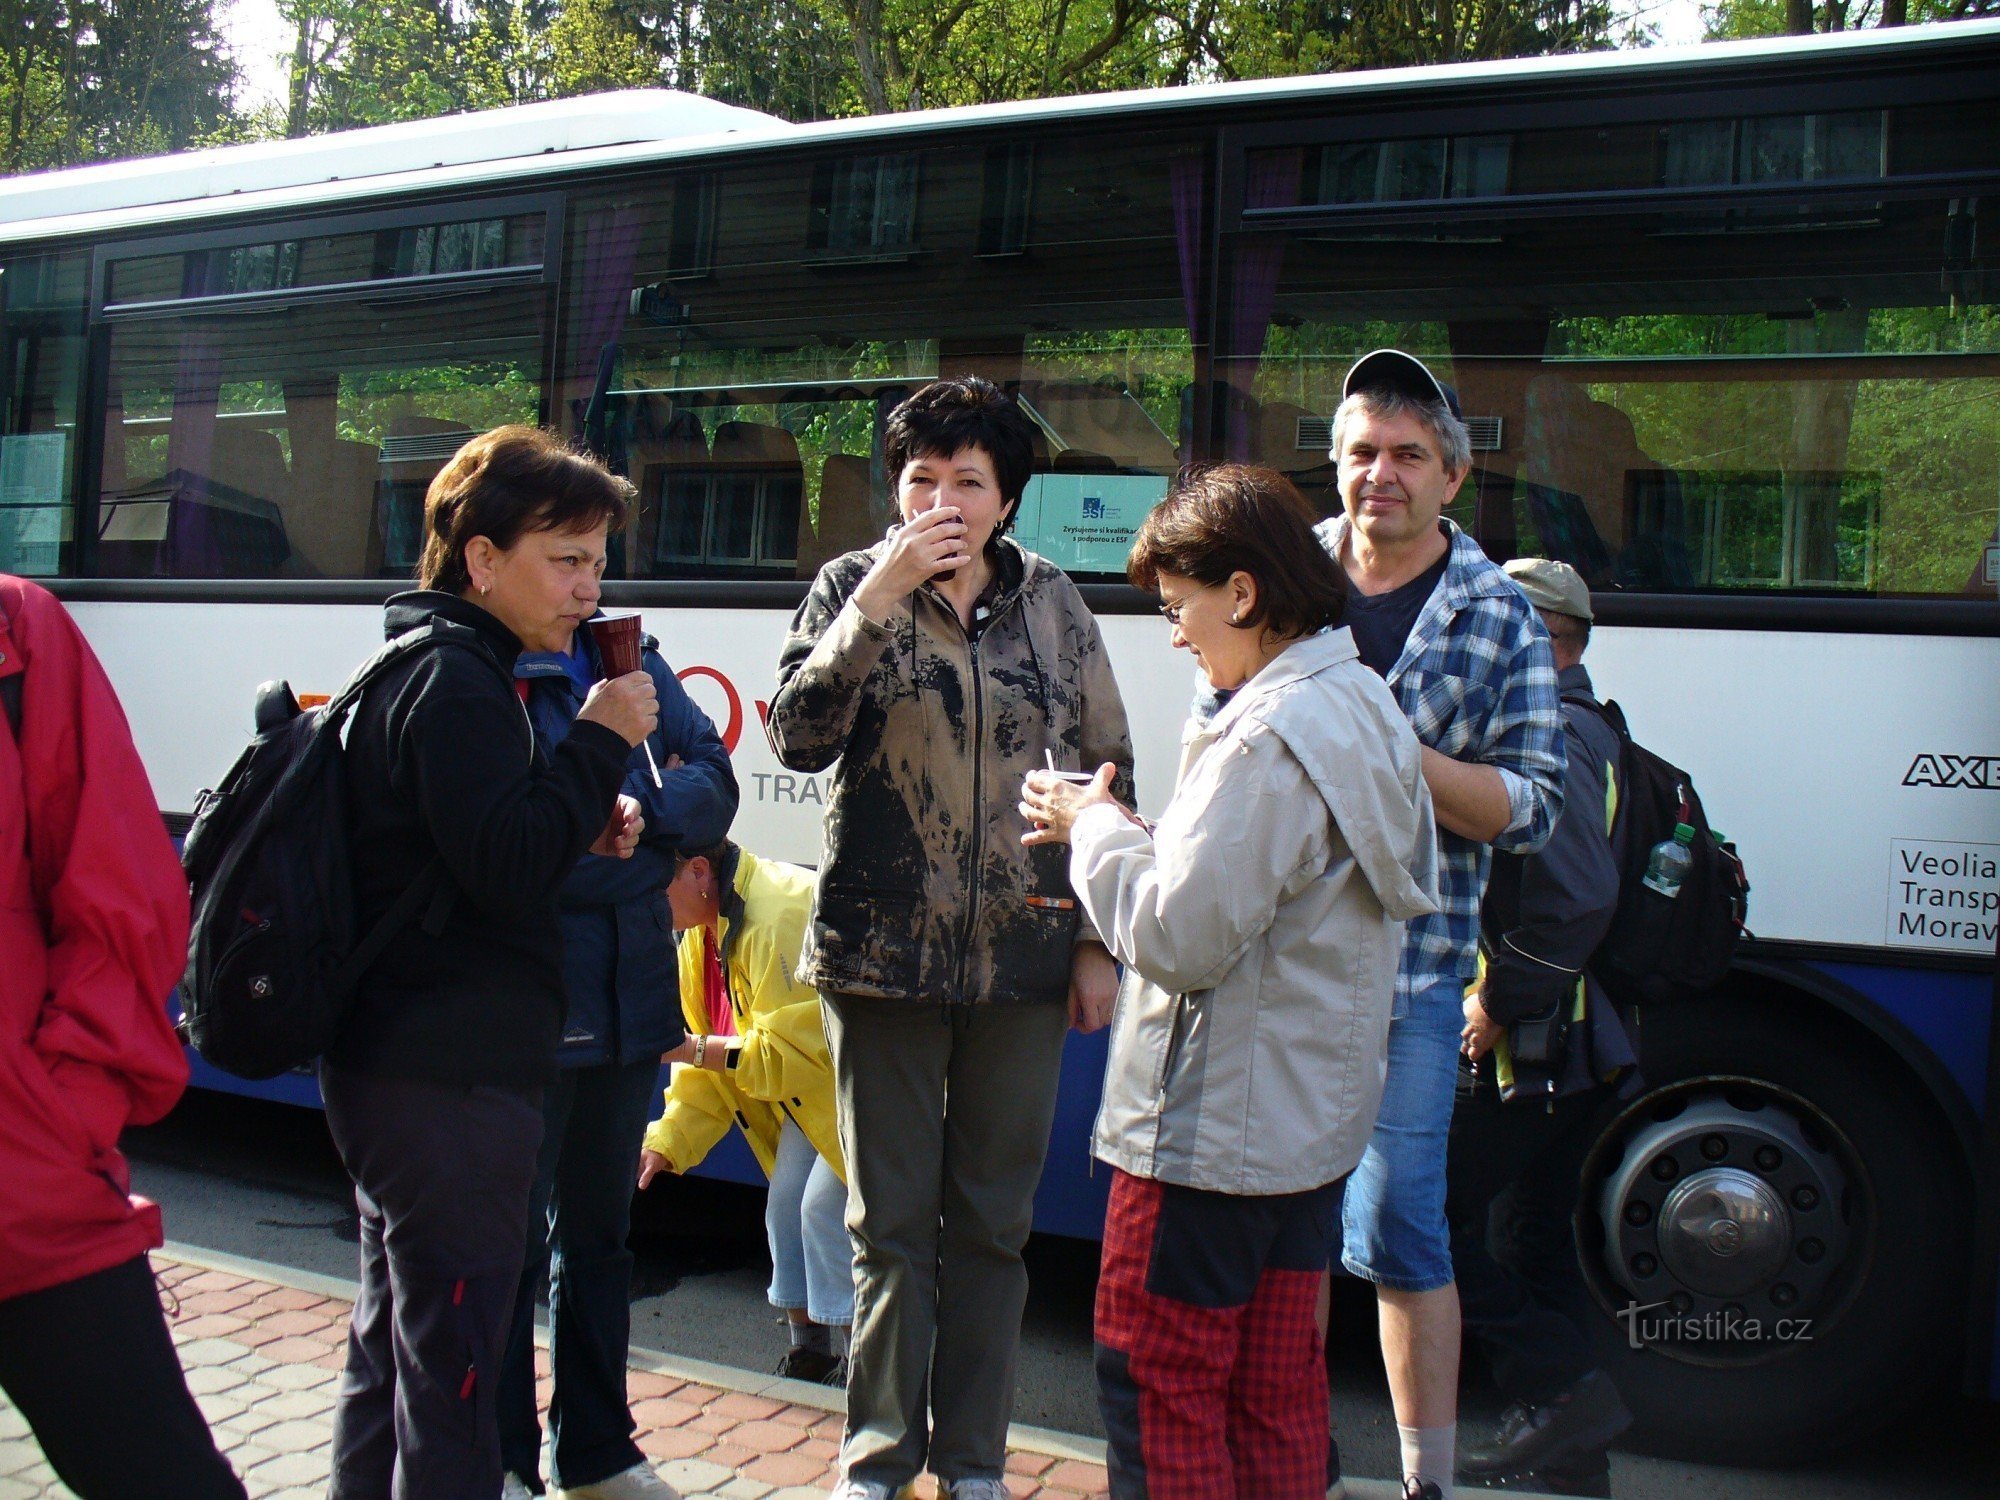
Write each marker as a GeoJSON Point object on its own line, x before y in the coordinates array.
{"type": "Point", "coordinates": [432, 894]}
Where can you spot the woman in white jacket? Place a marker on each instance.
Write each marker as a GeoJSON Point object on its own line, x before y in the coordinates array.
{"type": "Point", "coordinates": [1260, 924]}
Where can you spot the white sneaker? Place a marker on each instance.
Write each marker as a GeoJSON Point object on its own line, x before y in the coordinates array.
{"type": "Point", "coordinates": [637, 1483]}
{"type": "Point", "coordinates": [861, 1489]}
{"type": "Point", "coordinates": [514, 1487]}
{"type": "Point", "coordinates": [980, 1489]}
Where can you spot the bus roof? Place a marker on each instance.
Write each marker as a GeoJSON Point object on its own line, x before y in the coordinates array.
{"type": "Point", "coordinates": [519, 145]}
{"type": "Point", "coordinates": [349, 157]}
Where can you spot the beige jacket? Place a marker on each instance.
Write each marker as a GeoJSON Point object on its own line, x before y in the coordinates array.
{"type": "Point", "coordinates": [1261, 923]}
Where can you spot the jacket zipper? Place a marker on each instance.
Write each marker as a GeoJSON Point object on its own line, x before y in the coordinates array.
{"type": "Point", "coordinates": [978, 696]}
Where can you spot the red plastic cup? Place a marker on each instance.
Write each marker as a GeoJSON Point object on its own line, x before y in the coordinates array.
{"type": "Point", "coordinates": [617, 643]}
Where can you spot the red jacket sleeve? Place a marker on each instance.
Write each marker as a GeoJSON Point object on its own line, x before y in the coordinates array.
{"type": "Point", "coordinates": [104, 875]}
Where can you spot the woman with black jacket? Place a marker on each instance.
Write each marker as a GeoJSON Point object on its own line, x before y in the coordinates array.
{"type": "Point", "coordinates": [433, 1090]}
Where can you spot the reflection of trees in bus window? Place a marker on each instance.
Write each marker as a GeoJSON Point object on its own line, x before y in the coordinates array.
{"type": "Point", "coordinates": [298, 441]}
{"type": "Point", "coordinates": [1070, 278]}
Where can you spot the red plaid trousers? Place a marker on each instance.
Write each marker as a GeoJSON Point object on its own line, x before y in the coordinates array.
{"type": "Point", "coordinates": [1210, 1370]}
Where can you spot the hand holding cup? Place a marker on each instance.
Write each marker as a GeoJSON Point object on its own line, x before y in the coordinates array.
{"type": "Point", "coordinates": [629, 706]}
{"type": "Point", "coordinates": [929, 547]}
{"type": "Point", "coordinates": [621, 834]}
{"type": "Point", "coordinates": [1051, 801]}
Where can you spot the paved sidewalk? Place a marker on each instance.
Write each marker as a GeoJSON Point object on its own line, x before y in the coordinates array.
{"type": "Point", "coordinates": [263, 1347]}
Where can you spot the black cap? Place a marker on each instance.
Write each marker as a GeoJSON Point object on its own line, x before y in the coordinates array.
{"type": "Point", "coordinates": [1405, 374]}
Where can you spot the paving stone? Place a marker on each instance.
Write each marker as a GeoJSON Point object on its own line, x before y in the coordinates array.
{"type": "Point", "coordinates": [293, 1350]}
{"type": "Point", "coordinates": [218, 1406]}
{"type": "Point", "coordinates": [745, 1408]}
{"type": "Point", "coordinates": [713, 1422]}
{"type": "Point", "coordinates": [287, 1469]}
{"type": "Point", "coordinates": [297, 1378]}
{"type": "Point", "coordinates": [213, 1379]}
{"type": "Point", "coordinates": [200, 1353]}
{"type": "Point", "coordinates": [744, 1489]}
{"type": "Point", "coordinates": [12, 1423]}
{"type": "Point", "coordinates": [297, 1300]}
{"type": "Point", "coordinates": [210, 1326]}
{"type": "Point", "coordinates": [294, 1436]}
{"type": "Point", "coordinates": [731, 1457]}
{"type": "Point", "coordinates": [296, 1322]}
{"type": "Point", "coordinates": [298, 1404]}
{"type": "Point", "coordinates": [673, 1443]}
{"type": "Point", "coordinates": [663, 1411]}
{"type": "Point", "coordinates": [1030, 1464]}
{"type": "Point", "coordinates": [1070, 1475]}
{"type": "Point", "coordinates": [246, 1423]}
{"type": "Point", "coordinates": [694, 1475]}
{"type": "Point", "coordinates": [767, 1437]}
{"type": "Point", "coordinates": [640, 1385]}
{"type": "Point", "coordinates": [18, 1489]}
{"type": "Point", "coordinates": [800, 1492]}
{"type": "Point", "coordinates": [784, 1468]}
{"type": "Point", "coordinates": [18, 1454]}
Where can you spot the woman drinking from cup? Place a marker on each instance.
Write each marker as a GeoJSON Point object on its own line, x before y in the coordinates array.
{"type": "Point", "coordinates": [937, 667]}
{"type": "Point", "coordinates": [434, 1087]}
{"type": "Point", "coordinates": [1261, 922]}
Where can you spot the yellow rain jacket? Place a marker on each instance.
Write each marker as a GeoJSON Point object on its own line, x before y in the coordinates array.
{"type": "Point", "coordinates": [782, 1068]}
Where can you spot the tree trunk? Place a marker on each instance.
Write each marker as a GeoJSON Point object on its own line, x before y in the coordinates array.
{"type": "Point", "coordinates": [1799, 17]}
{"type": "Point", "coordinates": [301, 79]}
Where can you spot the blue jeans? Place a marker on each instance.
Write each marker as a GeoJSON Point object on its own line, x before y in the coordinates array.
{"type": "Point", "coordinates": [805, 1217]}
{"type": "Point", "coordinates": [1393, 1225]}
{"type": "Point", "coordinates": [578, 1221]}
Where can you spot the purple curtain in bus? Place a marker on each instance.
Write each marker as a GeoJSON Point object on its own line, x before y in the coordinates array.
{"type": "Point", "coordinates": [1189, 189]}
{"type": "Point", "coordinates": [1271, 180]}
{"type": "Point", "coordinates": [190, 549]}
{"type": "Point", "coordinates": [608, 246]}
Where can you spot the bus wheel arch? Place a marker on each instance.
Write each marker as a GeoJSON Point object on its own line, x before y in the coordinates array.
{"type": "Point", "coordinates": [1797, 1203]}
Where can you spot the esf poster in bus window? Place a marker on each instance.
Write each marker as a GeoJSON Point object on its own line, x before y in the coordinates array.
{"type": "Point", "coordinates": [1944, 893]}
{"type": "Point", "coordinates": [1085, 522]}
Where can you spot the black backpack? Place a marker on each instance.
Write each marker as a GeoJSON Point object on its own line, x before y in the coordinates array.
{"type": "Point", "coordinates": [272, 956]}
{"type": "Point", "coordinates": [1664, 948]}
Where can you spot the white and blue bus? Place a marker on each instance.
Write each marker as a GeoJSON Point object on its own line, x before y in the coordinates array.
{"type": "Point", "coordinates": [1727, 325]}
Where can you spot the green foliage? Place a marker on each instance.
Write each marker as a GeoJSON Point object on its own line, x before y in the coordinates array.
{"type": "Point", "coordinates": [87, 80]}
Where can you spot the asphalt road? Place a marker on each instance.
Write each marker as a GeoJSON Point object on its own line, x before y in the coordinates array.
{"type": "Point", "coordinates": [262, 1181]}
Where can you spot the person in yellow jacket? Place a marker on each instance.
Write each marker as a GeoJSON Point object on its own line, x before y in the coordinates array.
{"type": "Point", "coordinates": [755, 1056]}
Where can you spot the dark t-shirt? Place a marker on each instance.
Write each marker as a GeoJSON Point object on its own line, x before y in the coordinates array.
{"type": "Point", "coordinates": [1382, 622]}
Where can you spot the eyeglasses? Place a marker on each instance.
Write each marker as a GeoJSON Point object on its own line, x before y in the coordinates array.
{"type": "Point", "coordinates": [1173, 611]}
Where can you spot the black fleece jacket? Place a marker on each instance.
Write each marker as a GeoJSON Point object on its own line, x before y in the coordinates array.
{"type": "Point", "coordinates": [441, 763]}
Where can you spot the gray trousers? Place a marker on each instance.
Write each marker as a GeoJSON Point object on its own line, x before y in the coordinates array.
{"type": "Point", "coordinates": [441, 1180]}
{"type": "Point", "coordinates": [944, 1120]}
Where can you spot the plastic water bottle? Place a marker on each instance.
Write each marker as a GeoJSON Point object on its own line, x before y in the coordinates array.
{"type": "Point", "coordinates": [1670, 862]}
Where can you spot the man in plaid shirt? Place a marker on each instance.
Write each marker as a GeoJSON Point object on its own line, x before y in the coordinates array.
{"type": "Point", "coordinates": [1466, 656]}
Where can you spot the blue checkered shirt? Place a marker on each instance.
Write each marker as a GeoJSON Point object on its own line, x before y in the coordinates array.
{"type": "Point", "coordinates": [1479, 685]}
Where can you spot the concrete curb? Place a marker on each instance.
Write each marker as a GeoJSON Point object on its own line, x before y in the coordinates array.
{"type": "Point", "coordinates": [1038, 1440]}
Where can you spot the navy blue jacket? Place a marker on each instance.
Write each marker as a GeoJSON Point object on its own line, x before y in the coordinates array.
{"type": "Point", "coordinates": [619, 967]}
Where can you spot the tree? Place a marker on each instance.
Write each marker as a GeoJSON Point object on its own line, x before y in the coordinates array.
{"type": "Point", "coordinates": [84, 80]}
{"type": "Point", "coordinates": [1729, 20]}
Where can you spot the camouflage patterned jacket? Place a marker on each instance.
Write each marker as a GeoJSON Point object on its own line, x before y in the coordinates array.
{"type": "Point", "coordinates": [925, 889]}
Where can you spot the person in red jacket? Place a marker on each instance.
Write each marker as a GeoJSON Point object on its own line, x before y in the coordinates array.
{"type": "Point", "coordinates": [93, 926]}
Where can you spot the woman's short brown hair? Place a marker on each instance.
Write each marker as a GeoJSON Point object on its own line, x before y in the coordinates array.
{"type": "Point", "coordinates": [1228, 518]}
{"type": "Point", "coordinates": [506, 483]}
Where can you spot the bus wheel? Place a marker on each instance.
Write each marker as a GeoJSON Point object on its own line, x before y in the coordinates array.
{"type": "Point", "coordinates": [1774, 1234]}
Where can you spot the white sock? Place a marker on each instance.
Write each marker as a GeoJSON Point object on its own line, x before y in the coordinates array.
{"type": "Point", "coordinates": [1430, 1454]}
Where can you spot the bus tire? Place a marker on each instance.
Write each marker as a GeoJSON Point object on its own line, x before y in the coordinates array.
{"type": "Point", "coordinates": [1758, 1071]}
